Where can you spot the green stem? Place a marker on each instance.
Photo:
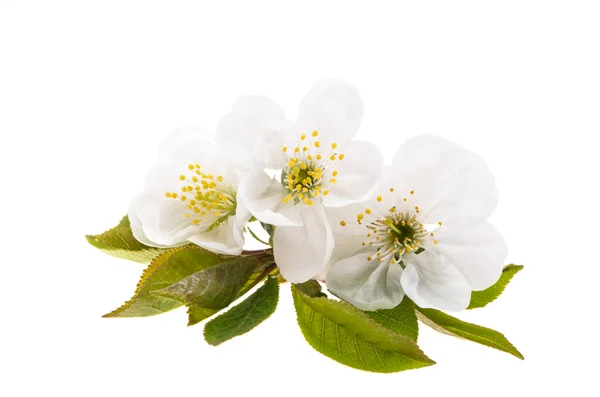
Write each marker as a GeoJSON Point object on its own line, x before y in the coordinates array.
{"type": "Point", "coordinates": [256, 237]}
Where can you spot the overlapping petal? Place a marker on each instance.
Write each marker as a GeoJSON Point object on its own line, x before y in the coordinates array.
{"type": "Point", "coordinates": [263, 196]}
{"type": "Point", "coordinates": [366, 282]}
{"type": "Point", "coordinates": [433, 200]}
{"type": "Point", "coordinates": [356, 175]}
{"type": "Point", "coordinates": [477, 250]}
{"type": "Point", "coordinates": [161, 215]}
{"type": "Point", "coordinates": [432, 281]}
{"type": "Point", "coordinates": [334, 107]}
{"type": "Point", "coordinates": [252, 132]}
{"type": "Point", "coordinates": [301, 252]}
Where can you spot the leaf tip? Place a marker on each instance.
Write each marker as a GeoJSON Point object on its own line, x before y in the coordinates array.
{"type": "Point", "coordinates": [91, 239]}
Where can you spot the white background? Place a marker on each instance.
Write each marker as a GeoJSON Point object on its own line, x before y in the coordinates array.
{"type": "Point", "coordinates": [88, 91]}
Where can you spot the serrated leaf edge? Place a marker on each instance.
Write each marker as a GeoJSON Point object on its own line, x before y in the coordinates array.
{"type": "Point", "coordinates": [507, 267]}
{"type": "Point", "coordinates": [426, 360]}
{"type": "Point", "coordinates": [430, 323]}
{"type": "Point", "coordinates": [156, 264]}
{"type": "Point", "coordinates": [232, 308]}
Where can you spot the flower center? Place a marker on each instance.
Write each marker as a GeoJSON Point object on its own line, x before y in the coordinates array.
{"type": "Point", "coordinates": [304, 174]}
{"type": "Point", "coordinates": [209, 199]}
{"type": "Point", "coordinates": [395, 233]}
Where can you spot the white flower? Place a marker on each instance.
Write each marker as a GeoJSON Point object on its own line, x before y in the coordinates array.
{"type": "Point", "coordinates": [426, 235]}
{"type": "Point", "coordinates": [190, 196]}
{"type": "Point", "coordinates": [299, 168]}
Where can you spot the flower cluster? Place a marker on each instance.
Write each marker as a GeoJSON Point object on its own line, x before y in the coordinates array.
{"type": "Point", "coordinates": [379, 236]}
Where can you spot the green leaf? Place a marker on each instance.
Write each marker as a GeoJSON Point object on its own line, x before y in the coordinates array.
{"type": "Point", "coordinates": [311, 288]}
{"type": "Point", "coordinates": [119, 242]}
{"type": "Point", "coordinates": [482, 298]}
{"type": "Point", "coordinates": [214, 287]}
{"type": "Point", "coordinates": [245, 316]}
{"type": "Point", "coordinates": [166, 269]}
{"type": "Point", "coordinates": [449, 325]}
{"type": "Point", "coordinates": [197, 313]}
{"type": "Point", "coordinates": [347, 335]}
{"type": "Point", "coordinates": [401, 319]}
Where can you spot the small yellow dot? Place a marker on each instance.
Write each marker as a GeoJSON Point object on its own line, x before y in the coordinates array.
{"type": "Point", "coordinates": [368, 211]}
{"type": "Point", "coordinates": [305, 148]}
{"type": "Point", "coordinates": [412, 192]}
{"type": "Point", "coordinates": [379, 198]}
{"type": "Point", "coordinates": [333, 145]}
{"type": "Point", "coordinates": [317, 144]}
{"type": "Point", "coordinates": [332, 158]}
{"type": "Point", "coordinates": [296, 149]}
{"type": "Point", "coordinates": [303, 136]}
{"type": "Point", "coordinates": [392, 189]}
{"type": "Point", "coordinates": [325, 192]}
{"type": "Point", "coordinates": [319, 157]}
{"type": "Point", "coordinates": [284, 149]}
{"type": "Point", "coordinates": [191, 166]}
{"type": "Point", "coordinates": [182, 177]}
{"type": "Point", "coordinates": [315, 133]}
{"type": "Point", "coordinates": [440, 223]}
{"type": "Point", "coordinates": [334, 173]}
{"type": "Point", "coordinates": [343, 223]}
{"type": "Point", "coordinates": [341, 156]}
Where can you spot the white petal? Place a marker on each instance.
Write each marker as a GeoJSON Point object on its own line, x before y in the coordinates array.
{"type": "Point", "coordinates": [432, 281]}
{"type": "Point", "coordinates": [242, 213]}
{"type": "Point", "coordinates": [186, 143]}
{"type": "Point", "coordinates": [368, 285]}
{"type": "Point", "coordinates": [476, 249]}
{"type": "Point", "coordinates": [177, 154]}
{"type": "Point", "coordinates": [357, 174]}
{"type": "Point", "coordinates": [251, 133]}
{"type": "Point", "coordinates": [458, 185]}
{"type": "Point", "coordinates": [187, 146]}
{"type": "Point", "coordinates": [163, 222]}
{"type": "Point", "coordinates": [263, 196]}
{"type": "Point", "coordinates": [422, 150]}
{"type": "Point", "coordinates": [301, 252]}
{"type": "Point", "coordinates": [334, 108]}
{"type": "Point", "coordinates": [348, 238]}
{"type": "Point", "coordinates": [135, 222]}
{"type": "Point", "coordinates": [227, 238]}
